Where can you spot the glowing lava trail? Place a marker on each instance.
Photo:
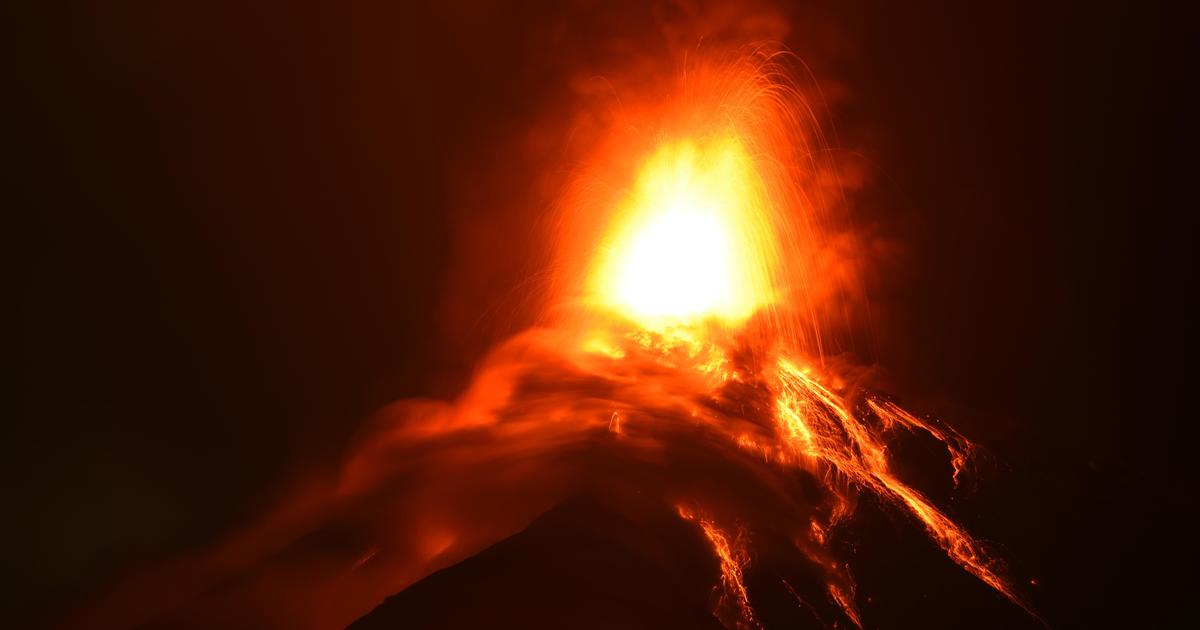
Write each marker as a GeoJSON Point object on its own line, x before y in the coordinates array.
{"type": "Point", "coordinates": [733, 606]}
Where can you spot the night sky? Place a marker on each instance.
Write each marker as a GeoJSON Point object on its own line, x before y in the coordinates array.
{"type": "Point", "coordinates": [239, 230]}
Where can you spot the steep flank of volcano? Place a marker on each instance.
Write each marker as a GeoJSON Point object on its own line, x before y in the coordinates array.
{"type": "Point", "coordinates": [587, 563]}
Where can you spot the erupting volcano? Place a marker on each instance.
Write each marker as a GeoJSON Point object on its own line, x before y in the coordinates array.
{"type": "Point", "coordinates": [685, 360]}
{"type": "Point", "coordinates": [688, 388]}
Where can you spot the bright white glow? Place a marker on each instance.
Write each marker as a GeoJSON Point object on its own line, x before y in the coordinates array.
{"type": "Point", "coordinates": [677, 265]}
{"type": "Point", "coordinates": [692, 240]}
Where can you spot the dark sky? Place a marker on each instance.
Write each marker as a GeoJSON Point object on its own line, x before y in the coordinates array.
{"type": "Point", "coordinates": [236, 225]}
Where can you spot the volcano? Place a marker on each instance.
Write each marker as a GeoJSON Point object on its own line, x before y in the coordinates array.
{"type": "Point", "coordinates": [687, 418]}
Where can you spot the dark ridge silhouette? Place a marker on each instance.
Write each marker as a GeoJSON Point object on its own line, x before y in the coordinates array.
{"type": "Point", "coordinates": [587, 563]}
